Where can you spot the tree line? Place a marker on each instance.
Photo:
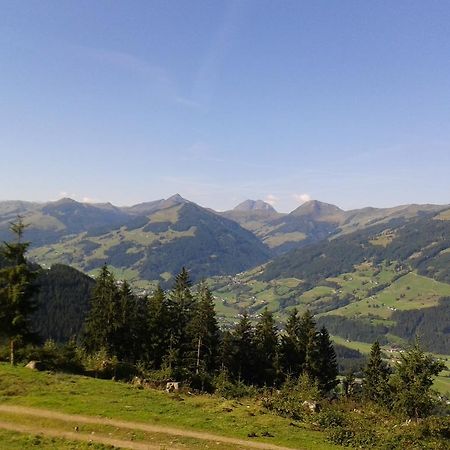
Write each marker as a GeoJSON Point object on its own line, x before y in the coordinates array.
{"type": "Point", "coordinates": [178, 331]}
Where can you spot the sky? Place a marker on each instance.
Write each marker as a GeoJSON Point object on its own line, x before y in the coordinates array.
{"type": "Point", "coordinates": [343, 101]}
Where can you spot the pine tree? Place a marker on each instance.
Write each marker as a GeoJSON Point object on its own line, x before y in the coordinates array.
{"type": "Point", "coordinates": [101, 321]}
{"type": "Point", "coordinates": [244, 352]}
{"type": "Point", "coordinates": [376, 377]}
{"type": "Point", "coordinates": [16, 290]}
{"type": "Point", "coordinates": [292, 353]}
{"type": "Point", "coordinates": [126, 339]}
{"type": "Point", "coordinates": [412, 381]}
{"type": "Point", "coordinates": [205, 331]}
{"type": "Point", "coordinates": [181, 305]}
{"type": "Point", "coordinates": [266, 344]}
{"type": "Point", "coordinates": [326, 366]}
{"type": "Point", "coordinates": [226, 352]}
{"type": "Point", "coordinates": [308, 341]}
{"type": "Point", "coordinates": [156, 341]}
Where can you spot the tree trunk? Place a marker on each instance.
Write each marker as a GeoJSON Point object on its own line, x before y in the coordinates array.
{"type": "Point", "coordinates": [198, 355]}
{"type": "Point", "coordinates": [11, 352]}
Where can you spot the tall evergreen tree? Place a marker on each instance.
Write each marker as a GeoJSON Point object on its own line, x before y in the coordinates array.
{"type": "Point", "coordinates": [158, 329]}
{"type": "Point", "coordinates": [181, 305]}
{"type": "Point", "coordinates": [126, 339]}
{"type": "Point", "coordinates": [309, 342]}
{"type": "Point", "coordinates": [102, 319]}
{"type": "Point", "coordinates": [326, 366]}
{"type": "Point", "coordinates": [266, 345]}
{"type": "Point", "coordinates": [292, 352]}
{"type": "Point", "coordinates": [244, 352]}
{"type": "Point", "coordinates": [16, 290]}
{"type": "Point", "coordinates": [226, 352]}
{"type": "Point", "coordinates": [205, 331]}
{"type": "Point", "coordinates": [376, 377]}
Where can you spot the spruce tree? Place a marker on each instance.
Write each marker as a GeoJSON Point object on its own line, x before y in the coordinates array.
{"type": "Point", "coordinates": [326, 367]}
{"type": "Point", "coordinates": [205, 331]}
{"type": "Point", "coordinates": [266, 345]}
{"type": "Point", "coordinates": [244, 352]}
{"type": "Point", "coordinates": [16, 290]}
{"type": "Point", "coordinates": [292, 352]}
{"type": "Point", "coordinates": [102, 319]}
{"type": "Point", "coordinates": [157, 335]}
{"type": "Point", "coordinates": [181, 305]}
{"type": "Point", "coordinates": [376, 377]}
{"type": "Point", "coordinates": [226, 352]}
{"type": "Point", "coordinates": [126, 339]}
{"type": "Point", "coordinates": [309, 343]}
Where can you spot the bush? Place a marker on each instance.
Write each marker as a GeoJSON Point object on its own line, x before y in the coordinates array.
{"type": "Point", "coordinates": [101, 365]}
{"type": "Point", "coordinates": [331, 418]}
{"type": "Point", "coordinates": [288, 401]}
{"type": "Point", "coordinates": [229, 389]}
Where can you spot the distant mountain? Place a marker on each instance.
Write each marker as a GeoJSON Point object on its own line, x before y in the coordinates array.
{"type": "Point", "coordinates": [150, 241]}
{"type": "Point", "coordinates": [314, 221]}
{"type": "Point", "coordinates": [389, 280]}
{"type": "Point", "coordinates": [254, 205]}
{"type": "Point", "coordinates": [315, 210]}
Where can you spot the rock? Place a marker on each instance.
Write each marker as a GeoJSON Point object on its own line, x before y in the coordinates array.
{"type": "Point", "coordinates": [35, 365]}
{"type": "Point", "coordinates": [172, 386]}
{"type": "Point", "coordinates": [312, 406]}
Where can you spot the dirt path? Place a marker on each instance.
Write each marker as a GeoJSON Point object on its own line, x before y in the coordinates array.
{"type": "Point", "coordinates": [76, 419]}
{"type": "Point", "coordinates": [72, 436]}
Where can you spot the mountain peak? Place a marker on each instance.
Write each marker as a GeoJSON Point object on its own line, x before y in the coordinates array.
{"type": "Point", "coordinates": [318, 210]}
{"type": "Point", "coordinates": [254, 205]}
{"type": "Point", "coordinates": [174, 200]}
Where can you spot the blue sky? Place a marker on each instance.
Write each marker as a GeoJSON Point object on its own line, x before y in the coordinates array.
{"type": "Point", "coordinates": [343, 101]}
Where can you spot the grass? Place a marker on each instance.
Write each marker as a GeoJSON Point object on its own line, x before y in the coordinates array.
{"type": "Point", "coordinates": [280, 238]}
{"type": "Point", "coordinates": [411, 291]}
{"type": "Point", "coordinates": [88, 396]}
{"type": "Point", "coordinates": [18, 441]}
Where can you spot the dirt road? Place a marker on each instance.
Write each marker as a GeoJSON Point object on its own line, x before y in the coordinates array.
{"type": "Point", "coordinates": [75, 420]}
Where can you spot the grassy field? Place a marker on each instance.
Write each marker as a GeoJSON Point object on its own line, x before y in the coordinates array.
{"type": "Point", "coordinates": [103, 398]}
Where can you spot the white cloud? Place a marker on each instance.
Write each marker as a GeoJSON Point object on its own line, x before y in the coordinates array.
{"type": "Point", "coordinates": [302, 198]}
{"type": "Point", "coordinates": [271, 199]}
{"type": "Point", "coordinates": [88, 200]}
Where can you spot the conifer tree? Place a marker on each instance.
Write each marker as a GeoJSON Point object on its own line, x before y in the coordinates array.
{"type": "Point", "coordinates": [266, 345]}
{"type": "Point", "coordinates": [204, 330]}
{"type": "Point", "coordinates": [158, 329]}
{"type": "Point", "coordinates": [16, 290]}
{"type": "Point", "coordinates": [226, 352]}
{"type": "Point", "coordinates": [101, 321]}
{"type": "Point", "coordinates": [309, 342]}
{"type": "Point", "coordinates": [126, 339]}
{"type": "Point", "coordinates": [326, 366]}
{"type": "Point", "coordinates": [376, 377]}
{"type": "Point", "coordinates": [244, 351]}
{"type": "Point", "coordinates": [292, 352]}
{"type": "Point", "coordinates": [181, 305]}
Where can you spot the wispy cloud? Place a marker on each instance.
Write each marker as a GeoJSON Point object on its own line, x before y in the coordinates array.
{"type": "Point", "coordinates": [301, 198]}
{"type": "Point", "coordinates": [155, 74]}
{"type": "Point", "coordinates": [208, 72]}
{"type": "Point", "coordinates": [79, 198]}
{"type": "Point", "coordinates": [271, 199]}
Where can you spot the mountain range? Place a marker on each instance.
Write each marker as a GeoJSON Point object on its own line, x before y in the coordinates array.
{"type": "Point", "coordinates": [366, 274]}
{"type": "Point", "coordinates": [153, 240]}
